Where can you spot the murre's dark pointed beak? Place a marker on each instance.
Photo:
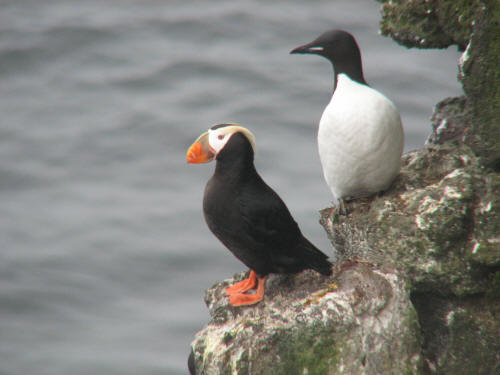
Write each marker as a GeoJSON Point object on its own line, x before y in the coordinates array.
{"type": "Point", "coordinates": [311, 48]}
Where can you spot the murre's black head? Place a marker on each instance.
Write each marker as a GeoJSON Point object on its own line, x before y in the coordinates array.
{"type": "Point", "coordinates": [341, 49]}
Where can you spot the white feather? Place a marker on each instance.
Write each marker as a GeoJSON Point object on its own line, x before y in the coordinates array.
{"type": "Point", "coordinates": [360, 140]}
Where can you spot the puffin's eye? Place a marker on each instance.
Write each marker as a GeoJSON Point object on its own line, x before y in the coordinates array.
{"type": "Point", "coordinates": [220, 137]}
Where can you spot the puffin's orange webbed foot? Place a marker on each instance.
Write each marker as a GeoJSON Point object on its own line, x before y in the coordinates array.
{"type": "Point", "coordinates": [243, 285]}
{"type": "Point", "coordinates": [241, 299]}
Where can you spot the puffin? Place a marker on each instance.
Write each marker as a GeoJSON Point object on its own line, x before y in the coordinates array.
{"type": "Point", "coordinates": [360, 135]}
{"type": "Point", "coordinates": [248, 216]}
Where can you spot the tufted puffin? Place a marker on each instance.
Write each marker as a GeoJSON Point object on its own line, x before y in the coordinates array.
{"type": "Point", "coordinates": [360, 136]}
{"type": "Point", "coordinates": [247, 216]}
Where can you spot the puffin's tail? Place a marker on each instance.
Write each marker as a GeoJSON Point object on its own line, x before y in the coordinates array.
{"type": "Point", "coordinates": [317, 260]}
{"type": "Point", "coordinates": [323, 266]}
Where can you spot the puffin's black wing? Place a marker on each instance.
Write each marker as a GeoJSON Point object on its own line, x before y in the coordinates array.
{"type": "Point", "coordinates": [265, 215]}
{"type": "Point", "coordinates": [269, 223]}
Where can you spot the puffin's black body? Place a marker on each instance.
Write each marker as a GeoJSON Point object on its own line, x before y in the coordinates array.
{"type": "Point", "coordinates": [251, 220]}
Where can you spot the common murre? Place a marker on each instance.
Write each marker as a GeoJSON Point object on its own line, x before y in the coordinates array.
{"type": "Point", "coordinates": [360, 136]}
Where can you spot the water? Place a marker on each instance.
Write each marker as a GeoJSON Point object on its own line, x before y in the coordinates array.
{"type": "Point", "coordinates": [104, 252]}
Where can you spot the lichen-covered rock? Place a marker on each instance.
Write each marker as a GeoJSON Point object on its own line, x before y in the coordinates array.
{"type": "Point", "coordinates": [439, 224]}
{"type": "Point", "coordinates": [430, 23]}
{"type": "Point", "coordinates": [480, 76]}
{"type": "Point", "coordinates": [428, 222]}
{"type": "Point", "coordinates": [474, 26]}
{"type": "Point", "coordinates": [485, 247]}
{"type": "Point", "coordinates": [460, 334]}
{"type": "Point", "coordinates": [452, 253]}
{"type": "Point", "coordinates": [449, 121]}
{"type": "Point", "coordinates": [356, 322]}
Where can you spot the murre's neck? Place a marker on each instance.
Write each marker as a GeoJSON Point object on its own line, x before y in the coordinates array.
{"type": "Point", "coordinates": [353, 69]}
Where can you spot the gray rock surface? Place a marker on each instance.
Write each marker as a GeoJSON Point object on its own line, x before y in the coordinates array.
{"type": "Point", "coordinates": [310, 324]}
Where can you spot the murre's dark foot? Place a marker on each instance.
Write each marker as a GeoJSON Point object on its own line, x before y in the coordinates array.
{"type": "Point", "coordinates": [342, 209]}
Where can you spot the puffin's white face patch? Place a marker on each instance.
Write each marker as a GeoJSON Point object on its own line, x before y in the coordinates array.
{"type": "Point", "coordinates": [217, 138]}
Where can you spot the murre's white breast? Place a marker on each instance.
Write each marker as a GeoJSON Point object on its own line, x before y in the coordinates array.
{"type": "Point", "coordinates": [360, 140]}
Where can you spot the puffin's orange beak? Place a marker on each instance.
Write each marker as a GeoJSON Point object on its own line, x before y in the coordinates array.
{"type": "Point", "coordinates": [200, 152]}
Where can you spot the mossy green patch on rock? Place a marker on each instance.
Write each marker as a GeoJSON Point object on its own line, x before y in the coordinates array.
{"type": "Point", "coordinates": [485, 250]}
{"type": "Point", "coordinates": [456, 18]}
{"type": "Point", "coordinates": [474, 26]}
{"type": "Point", "coordinates": [480, 75]}
{"type": "Point", "coordinates": [413, 23]}
{"type": "Point", "coordinates": [473, 335]}
{"type": "Point", "coordinates": [494, 290]}
{"type": "Point", "coordinates": [312, 351]}
{"type": "Point", "coordinates": [429, 23]}
{"type": "Point", "coordinates": [460, 336]}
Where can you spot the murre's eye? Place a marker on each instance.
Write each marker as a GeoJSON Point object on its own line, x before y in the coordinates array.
{"type": "Point", "coordinates": [220, 137]}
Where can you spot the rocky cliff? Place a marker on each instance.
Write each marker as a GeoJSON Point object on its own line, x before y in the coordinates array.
{"type": "Point", "coordinates": [416, 289]}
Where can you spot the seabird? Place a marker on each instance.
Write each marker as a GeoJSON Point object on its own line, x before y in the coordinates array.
{"type": "Point", "coordinates": [360, 136]}
{"type": "Point", "coordinates": [247, 216]}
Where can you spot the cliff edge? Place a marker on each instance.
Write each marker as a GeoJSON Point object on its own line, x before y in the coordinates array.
{"type": "Point", "coordinates": [416, 289]}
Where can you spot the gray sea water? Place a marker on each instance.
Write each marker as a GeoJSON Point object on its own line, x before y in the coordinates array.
{"type": "Point", "coordinates": [104, 254]}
